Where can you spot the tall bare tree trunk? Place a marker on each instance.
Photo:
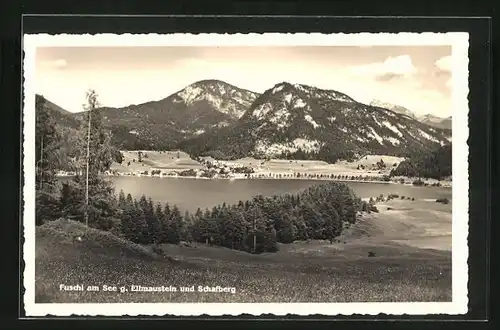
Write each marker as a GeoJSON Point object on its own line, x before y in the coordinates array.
{"type": "Point", "coordinates": [254, 237]}
{"type": "Point", "coordinates": [87, 174]}
{"type": "Point", "coordinates": [40, 167]}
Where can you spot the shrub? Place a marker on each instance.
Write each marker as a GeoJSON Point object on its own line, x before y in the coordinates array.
{"type": "Point", "coordinates": [371, 254]}
{"type": "Point", "coordinates": [158, 250]}
{"type": "Point", "coordinates": [365, 207]}
{"type": "Point", "coordinates": [189, 172]}
{"type": "Point", "coordinates": [418, 182]}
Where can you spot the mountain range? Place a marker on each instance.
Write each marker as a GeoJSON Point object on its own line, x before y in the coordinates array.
{"type": "Point", "coordinates": [199, 107]}
{"type": "Point", "coordinates": [426, 119]}
{"type": "Point", "coordinates": [287, 121]}
{"type": "Point", "coordinates": [393, 107]}
{"type": "Point", "coordinates": [299, 121]}
{"type": "Point", "coordinates": [438, 122]}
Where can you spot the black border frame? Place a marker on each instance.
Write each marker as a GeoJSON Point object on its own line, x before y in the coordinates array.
{"type": "Point", "coordinates": [480, 115]}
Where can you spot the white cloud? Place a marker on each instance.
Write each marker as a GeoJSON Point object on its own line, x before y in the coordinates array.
{"type": "Point", "coordinates": [55, 64]}
{"type": "Point", "coordinates": [192, 62]}
{"type": "Point", "coordinates": [449, 83]}
{"type": "Point", "coordinates": [444, 63]}
{"type": "Point", "coordinates": [115, 88]}
{"type": "Point", "coordinates": [409, 93]}
{"type": "Point", "coordinates": [392, 66]}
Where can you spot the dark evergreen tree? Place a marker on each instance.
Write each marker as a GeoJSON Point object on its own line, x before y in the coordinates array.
{"type": "Point", "coordinates": [133, 224]}
{"type": "Point", "coordinates": [175, 226]}
{"type": "Point", "coordinates": [159, 217]}
{"type": "Point", "coordinates": [122, 202]}
{"type": "Point", "coordinates": [94, 156]}
{"type": "Point", "coordinates": [153, 223]}
{"type": "Point", "coordinates": [187, 220]}
{"type": "Point", "coordinates": [436, 164]}
{"type": "Point", "coordinates": [47, 158]}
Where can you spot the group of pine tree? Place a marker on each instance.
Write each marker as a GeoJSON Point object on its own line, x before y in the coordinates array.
{"type": "Point", "coordinates": [255, 225]}
{"type": "Point", "coordinates": [436, 164]}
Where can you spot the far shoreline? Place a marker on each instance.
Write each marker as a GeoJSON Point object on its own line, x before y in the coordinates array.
{"type": "Point", "coordinates": [177, 164]}
{"type": "Point", "coordinates": [447, 185]}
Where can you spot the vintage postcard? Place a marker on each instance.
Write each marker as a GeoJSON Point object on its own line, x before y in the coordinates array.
{"type": "Point", "coordinates": [224, 174]}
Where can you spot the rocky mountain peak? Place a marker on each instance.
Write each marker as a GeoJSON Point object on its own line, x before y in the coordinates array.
{"type": "Point", "coordinates": [223, 97]}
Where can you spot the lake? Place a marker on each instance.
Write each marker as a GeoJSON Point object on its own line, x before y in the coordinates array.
{"type": "Point", "coordinates": [189, 194]}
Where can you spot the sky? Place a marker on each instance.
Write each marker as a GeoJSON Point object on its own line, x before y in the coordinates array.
{"type": "Point", "coordinates": [415, 77]}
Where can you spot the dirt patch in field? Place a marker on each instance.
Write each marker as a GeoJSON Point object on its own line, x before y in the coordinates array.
{"type": "Point", "coordinates": [414, 223]}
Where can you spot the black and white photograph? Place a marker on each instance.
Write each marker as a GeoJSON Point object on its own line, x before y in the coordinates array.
{"type": "Point", "coordinates": [245, 174]}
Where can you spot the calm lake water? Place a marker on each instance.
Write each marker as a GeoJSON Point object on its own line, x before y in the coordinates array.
{"type": "Point", "coordinates": [189, 194]}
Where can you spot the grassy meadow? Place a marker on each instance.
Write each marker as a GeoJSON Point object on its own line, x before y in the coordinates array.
{"type": "Point", "coordinates": [179, 161]}
{"type": "Point", "coordinates": [173, 160]}
{"type": "Point", "coordinates": [164, 160]}
{"type": "Point", "coordinates": [409, 243]}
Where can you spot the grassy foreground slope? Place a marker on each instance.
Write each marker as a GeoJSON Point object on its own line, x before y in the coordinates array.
{"type": "Point", "coordinates": [299, 272]}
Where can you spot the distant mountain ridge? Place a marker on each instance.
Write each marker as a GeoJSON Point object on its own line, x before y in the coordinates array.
{"type": "Point", "coordinates": [435, 121]}
{"type": "Point", "coordinates": [286, 121]}
{"type": "Point", "coordinates": [428, 119]}
{"type": "Point", "coordinates": [61, 116]}
{"type": "Point", "coordinates": [393, 107]}
{"type": "Point", "coordinates": [223, 97]}
{"type": "Point", "coordinates": [201, 106]}
{"type": "Point", "coordinates": [293, 120]}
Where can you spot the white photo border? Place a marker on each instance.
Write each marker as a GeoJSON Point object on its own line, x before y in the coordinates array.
{"type": "Point", "coordinates": [459, 41]}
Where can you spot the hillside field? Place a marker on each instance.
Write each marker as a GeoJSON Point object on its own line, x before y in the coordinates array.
{"type": "Point", "coordinates": [173, 160]}
{"type": "Point", "coordinates": [321, 167]}
{"type": "Point", "coordinates": [167, 160]}
{"type": "Point", "coordinates": [411, 262]}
